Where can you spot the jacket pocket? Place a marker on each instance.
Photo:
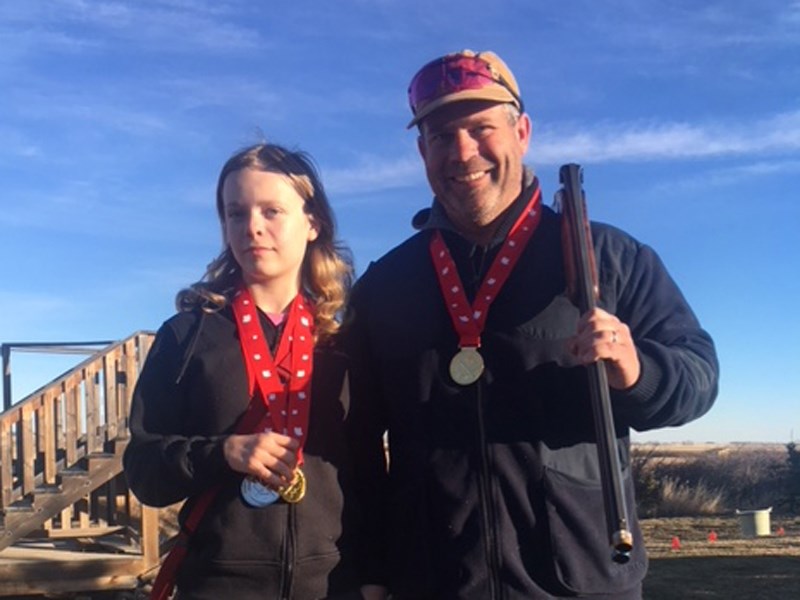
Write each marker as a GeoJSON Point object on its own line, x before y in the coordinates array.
{"type": "Point", "coordinates": [579, 541]}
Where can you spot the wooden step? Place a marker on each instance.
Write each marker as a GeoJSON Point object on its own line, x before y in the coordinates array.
{"type": "Point", "coordinates": [28, 569]}
{"type": "Point", "coordinates": [30, 514]}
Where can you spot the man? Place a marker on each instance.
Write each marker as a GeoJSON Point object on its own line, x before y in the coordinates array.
{"type": "Point", "coordinates": [465, 342]}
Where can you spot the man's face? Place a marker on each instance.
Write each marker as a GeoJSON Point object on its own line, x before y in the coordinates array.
{"type": "Point", "coordinates": [473, 159]}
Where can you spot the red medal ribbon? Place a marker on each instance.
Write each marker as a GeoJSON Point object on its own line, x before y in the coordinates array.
{"type": "Point", "coordinates": [285, 380]}
{"type": "Point", "coordinates": [470, 319]}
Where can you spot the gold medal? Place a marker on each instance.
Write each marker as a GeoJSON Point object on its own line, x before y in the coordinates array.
{"type": "Point", "coordinates": [295, 491]}
{"type": "Point", "coordinates": [466, 366]}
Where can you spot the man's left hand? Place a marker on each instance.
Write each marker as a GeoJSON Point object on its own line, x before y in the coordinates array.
{"type": "Point", "coordinates": [602, 336]}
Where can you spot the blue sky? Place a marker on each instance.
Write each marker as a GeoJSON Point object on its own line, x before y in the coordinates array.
{"type": "Point", "coordinates": [115, 118]}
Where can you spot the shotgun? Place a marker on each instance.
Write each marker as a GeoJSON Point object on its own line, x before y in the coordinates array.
{"type": "Point", "coordinates": [583, 289]}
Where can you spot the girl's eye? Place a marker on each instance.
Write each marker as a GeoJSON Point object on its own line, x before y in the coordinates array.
{"type": "Point", "coordinates": [269, 212]}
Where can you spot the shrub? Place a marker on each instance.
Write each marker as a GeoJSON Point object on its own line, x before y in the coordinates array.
{"type": "Point", "coordinates": [716, 481]}
{"type": "Point", "coordinates": [682, 499]}
{"type": "Point", "coordinates": [792, 478]}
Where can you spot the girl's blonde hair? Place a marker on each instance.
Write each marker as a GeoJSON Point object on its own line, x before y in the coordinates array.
{"type": "Point", "coordinates": [327, 270]}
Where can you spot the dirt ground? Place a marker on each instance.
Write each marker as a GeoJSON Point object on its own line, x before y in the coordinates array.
{"type": "Point", "coordinates": [709, 559]}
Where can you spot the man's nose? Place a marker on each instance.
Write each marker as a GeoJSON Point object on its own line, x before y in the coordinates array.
{"type": "Point", "coordinates": [464, 146]}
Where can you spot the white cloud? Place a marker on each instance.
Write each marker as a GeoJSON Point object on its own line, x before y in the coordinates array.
{"type": "Point", "coordinates": [636, 142]}
{"type": "Point", "coordinates": [372, 175]}
{"type": "Point", "coordinates": [173, 25]}
{"type": "Point", "coordinates": [731, 176]}
{"type": "Point", "coordinates": [610, 142]}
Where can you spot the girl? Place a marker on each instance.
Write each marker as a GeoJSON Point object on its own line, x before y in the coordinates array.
{"type": "Point", "coordinates": [240, 405]}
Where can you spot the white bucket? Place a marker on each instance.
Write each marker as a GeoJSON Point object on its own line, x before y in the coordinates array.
{"type": "Point", "coordinates": [754, 522]}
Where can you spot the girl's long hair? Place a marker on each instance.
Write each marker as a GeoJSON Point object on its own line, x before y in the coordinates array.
{"type": "Point", "coordinates": [327, 270]}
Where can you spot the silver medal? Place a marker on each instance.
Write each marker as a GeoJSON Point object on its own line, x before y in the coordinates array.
{"type": "Point", "coordinates": [466, 366]}
{"type": "Point", "coordinates": [256, 494]}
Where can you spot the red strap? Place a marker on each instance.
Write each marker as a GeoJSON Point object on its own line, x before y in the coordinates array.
{"type": "Point", "coordinates": [285, 379]}
{"type": "Point", "coordinates": [164, 584]}
{"type": "Point", "coordinates": [469, 319]}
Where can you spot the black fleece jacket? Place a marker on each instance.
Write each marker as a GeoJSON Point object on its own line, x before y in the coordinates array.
{"type": "Point", "coordinates": [188, 398]}
{"type": "Point", "coordinates": [494, 488]}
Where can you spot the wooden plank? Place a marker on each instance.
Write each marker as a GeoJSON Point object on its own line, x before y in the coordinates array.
{"type": "Point", "coordinates": [151, 548]}
{"type": "Point", "coordinates": [145, 343]}
{"type": "Point", "coordinates": [6, 462]}
{"type": "Point", "coordinates": [48, 425]}
{"type": "Point", "coordinates": [92, 407]}
{"type": "Point", "coordinates": [82, 512]}
{"type": "Point", "coordinates": [66, 519]}
{"type": "Point", "coordinates": [94, 531]}
{"type": "Point", "coordinates": [110, 362]}
{"type": "Point", "coordinates": [27, 454]}
{"type": "Point", "coordinates": [40, 431]}
{"type": "Point", "coordinates": [59, 408]}
{"type": "Point", "coordinates": [72, 419]}
{"type": "Point", "coordinates": [40, 570]}
{"type": "Point", "coordinates": [128, 377]}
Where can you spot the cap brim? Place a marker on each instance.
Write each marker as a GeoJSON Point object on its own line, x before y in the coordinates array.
{"type": "Point", "coordinates": [490, 93]}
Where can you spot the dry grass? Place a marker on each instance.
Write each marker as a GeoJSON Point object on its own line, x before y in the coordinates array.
{"type": "Point", "coordinates": [690, 480]}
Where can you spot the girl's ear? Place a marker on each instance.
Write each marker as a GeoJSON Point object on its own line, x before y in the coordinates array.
{"type": "Point", "coordinates": [313, 230]}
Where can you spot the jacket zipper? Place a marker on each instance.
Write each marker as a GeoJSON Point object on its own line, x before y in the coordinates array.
{"type": "Point", "coordinates": [487, 504]}
{"type": "Point", "coordinates": [288, 555]}
{"type": "Point", "coordinates": [491, 548]}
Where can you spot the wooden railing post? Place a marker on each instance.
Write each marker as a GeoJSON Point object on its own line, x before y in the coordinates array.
{"type": "Point", "coordinates": [6, 463]}
{"type": "Point", "coordinates": [150, 541]}
{"type": "Point", "coordinates": [5, 350]}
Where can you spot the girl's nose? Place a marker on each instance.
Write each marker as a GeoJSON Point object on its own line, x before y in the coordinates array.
{"type": "Point", "coordinates": [255, 226]}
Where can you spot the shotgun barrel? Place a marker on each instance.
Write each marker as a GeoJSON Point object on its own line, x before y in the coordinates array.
{"type": "Point", "coordinates": [583, 289]}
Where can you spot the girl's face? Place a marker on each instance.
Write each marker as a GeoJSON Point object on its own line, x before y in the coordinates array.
{"type": "Point", "coordinates": [266, 226]}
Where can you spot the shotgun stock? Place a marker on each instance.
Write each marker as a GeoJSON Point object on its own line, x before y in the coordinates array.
{"type": "Point", "coordinates": [583, 289]}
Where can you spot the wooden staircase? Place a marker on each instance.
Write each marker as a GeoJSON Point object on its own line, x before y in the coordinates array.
{"type": "Point", "coordinates": [62, 487]}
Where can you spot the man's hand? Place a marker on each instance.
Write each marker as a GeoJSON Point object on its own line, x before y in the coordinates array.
{"type": "Point", "coordinates": [373, 592]}
{"type": "Point", "coordinates": [269, 457]}
{"type": "Point", "coordinates": [602, 336]}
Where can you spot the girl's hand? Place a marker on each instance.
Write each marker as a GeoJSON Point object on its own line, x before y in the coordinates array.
{"type": "Point", "coordinates": [270, 457]}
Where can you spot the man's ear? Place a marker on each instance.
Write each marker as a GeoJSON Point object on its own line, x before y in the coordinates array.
{"type": "Point", "coordinates": [421, 146]}
{"type": "Point", "coordinates": [524, 129]}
